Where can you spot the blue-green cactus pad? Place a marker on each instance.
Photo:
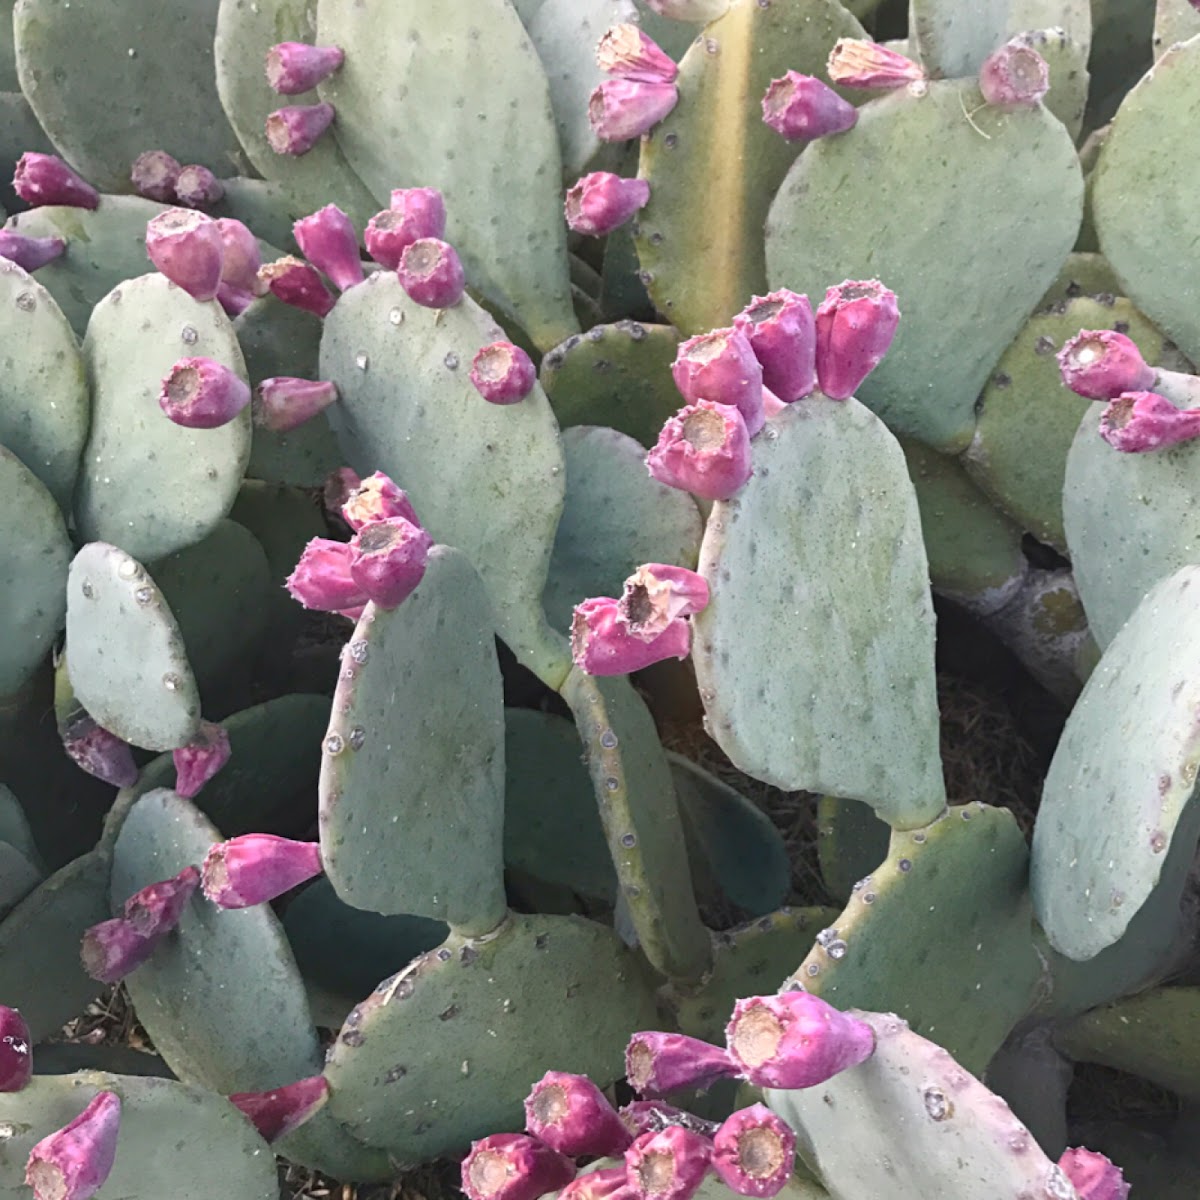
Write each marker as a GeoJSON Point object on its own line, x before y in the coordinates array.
{"type": "Point", "coordinates": [951, 38]}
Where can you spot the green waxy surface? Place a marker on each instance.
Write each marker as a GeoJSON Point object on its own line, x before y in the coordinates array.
{"type": "Point", "coordinates": [447, 1050]}
{"type": "Point", "coordinates": [485, 478]}
{"type": "Point", "coordinates": [182, 481]}
{"type": "Point", "coordinates": [19, 132]}
{"type": "Point", "coordinates": [851, 843]}
{"type": "Point", "coordinates": [713, 165]}
{"type": "Point", "coordinates": [128, 665]}
{"type": "Point", "coordinates": [473, 118]}
{"type": "Point", "coordinates": [44, 406]}
{"type": "Point", "coordinates": [412, 775]}
{"type": "Point", "coordinates": [615, 518]}
{"type": "Point", "coordinates": [18, 877]}
{"type": "Point", "coordinates": [814, 656]}
{"type": "Point", "coordinates": [213, 1149]}
{"type": "Point", "coordinates": [35, 553]}
{"type": "Point", "coordinates": [1066, 60]}
{"type": "Point", "coordinates": [849, 208]}
{"type": "Point", "coordinates": [951, 38]}
{"type": "Point", "coordinates": [14, 828]}
{"type": "Point", "coordinates": [1174, 21]}
{"type": "Point", "coordinates": [1122, 781]}
{"type": "Point", "coordinates": [1083, 274]}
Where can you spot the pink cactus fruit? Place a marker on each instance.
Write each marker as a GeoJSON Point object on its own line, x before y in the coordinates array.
{"type": "Point", "coordinates": [113, 949]}
{"type": "Point", "coordinates": [782, 332]}
{"type": "Point", "coordinates": [295, 67]}
{"type": "Point", "coordinates": [657, 594]}
{"type": "Point", "coordinates": [628, 53]}
{"type": "Point", "coordinates": [856, 323]}
{"type": "Point", "coordinates": [703, 449]}
{"type": "Point", "coordinates": [100, 753]}
{"type": "Point", "coordinates": [16, 1051]}
{"type": "Point", "coordinates": [296, 128]}
{"type": "Point", "coordinates": [503, 373]}
{"type": "Point", "coordinates": [201, 393]}
{"type": "Point", "coordinates": [668, 1165]}
{"type": "Point", "coordinates": [283, 403]}
{"type": "Point", "coordinates": [322, 578]}
{"type": "Point", "coordinates": [857, 63]}
{"type": "Point", "coordinates": [1015, 76]}
{"type": "Point", "coordinates": [1139, 422]}
{"type": "Point", "coordinates": [277, 1112]}
{"type": "Point", "coordinates": [42, 179]}
{"type": "Point", "coordinates": [388, 560]}
{"type": "Point", "coordinates": [327, 239]}
{"type": "Point", "coordinates": [256, 868]}
{"type": "Point", "coordinates": [573, 1116]}
{"type": "Point", "coordinates": [657, 1063]}
{"type": "Point", "coordinates": [1092, 1175]}
{"type": "Point", "coordinates": [754, 1152]}
{"type": "Point", "coordinates": [156, 909]}
{"type": "Point", "coordinates": [187, 248]}
{"type": "Point", "coordinates": [803, 108]}
{"type": "Point", "coordinates": [601, 643]}
{"type": "Point", "coordinates": [30, 253]}
{"type": "Point", "coordinates": [432, 274]}
{"type": "Point", "coordinates": [240, 257]}
{"type": "Point", "coordinates": [298, 284]}
{"type": "Point", "coordinates": [415, 213]}
{"type": "Point", "coordinates": [598, 203]}
{"type": "Point", "coordinates": [200, 759]}
{"type": "Point", "coordinates": [649, 1116]}
{"type": "Point", "coordinates": [74, 1162]}
{"type": "Point", "coordinates": [197, 187]}
{"type": "Point", "coordinates": [153, 175]}
{"type": "Point", "coordinates": [620, 109]}
{"type": "Point", "coordinates": [513, 1166]}
{"type": "Point", "coordinates": [721, 366]}
{"type": "Point", "coordinates": [608, 1183]}
{"type": "Point", "coordinates": [375, 498]}
{"type": "Point", "coordinates": [1101, 364]}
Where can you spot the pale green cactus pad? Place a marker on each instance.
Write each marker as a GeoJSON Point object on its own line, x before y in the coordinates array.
{"type": "Point", "coordinates": [14, 828]}
{"type": "Point", "coordinates": [1066, 61]}
{"type": "Point", "coordinates": [18, 877]}
{"type": "Point", "coordinates": [851, 843]}
{"type": "Point", "coordinates": [953, 39]}
{"type": "Point", "coordinates": [1174, 21]}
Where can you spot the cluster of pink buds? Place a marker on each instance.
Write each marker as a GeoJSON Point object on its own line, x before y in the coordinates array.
{"type": "Point", "coordinates": [42, 179]}
{"type": "Point", "coordinates": [648, 624]}
{"type": "Point", "coordinates": [293, 68]}
{"type": "Point", "coordinates": [158, 176]}
{"type": "Point", "coordinates": [407, 237]}
{"type": "Point", "coordinates": [642, 91]}
{"type": "Point", "coordinates": [73, 1162]}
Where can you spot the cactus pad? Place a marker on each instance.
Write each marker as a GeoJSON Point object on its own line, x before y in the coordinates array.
{"type": "Point", "coordinates": [953, 39]}
{"type": "Point", "coordinates": [851, 843]}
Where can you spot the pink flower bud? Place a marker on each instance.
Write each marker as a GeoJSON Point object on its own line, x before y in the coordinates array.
{"type": "Point", "coordinates": [703, 449]}
{"type": "Point", "coordinates": [656, 594]}
{"type": "Point", "coordinates": [240, 259]}
{"type": "Point", "coordinates": [156, 909]}
{"type": "Point", "coordinates": [1138, 422]}
{"type": "Point", "coordinates": [415, 213]}
{"type": "Point", "coordinates": [656, 1063]}
{"type": "Point", "coordinates": [295, 67]}
{"type": "Point", "coordinates": [282, 403]}
{"type": "Point", "coordinates": [298, 284]}
{"type": "Point", "coordinates": [30, 253]}
{"type": "Point", "coordinates": [277, 1112]}
{"type": "Point", "coordinates": [503, 373]}
{"type": "Point", "coordinates": [16, 1057]}
{"type": "Point", "coordinates": [375, 498]}
{"type": "Point", "coordinates": [855, 325]}
{"type": "Point", "coordinates": [1015, 76]}
{"type": "Point", "coordinates": [651, 1116]}
{"type": "Point", "coordinates": [322, 578]}
{"type": "Point", "coordinates": [572, 1115]}
{"type": "Point", "coordinates": [782, 333]}
{"type": "Point", "coordinates": [153, 175]}
{"type": "Point", "coordinates": [625, 51]}
{"type": "Point", "coordinates": [327, 239]}
{"type": "Point", "coordinates": [600, 202]}
{"type": "Point", "coordinates": [296, 128]}
{"type": "Point", "coordinates": [233, 300]}
{"type": "Point", "coordinates": [431, 273]}
{"type": "Point", "coordinates": [721, 366]}
{"type": "Point", "coordinates": [73, 1163]}
{"type": "Point", "coordinates": [513, 1166]}
{"type": "Point", "coordinates": [601, 644]}
{"type": "Point", "coordinates": [669, 1165]}
{"type": "Point", "coordinates": [197, 187]}
{"type": "Point", "coordinates": [1093, 1175]}
{"type": "Point", "coordinates": [802, 108]}
{"type": "Point", "coordinates": [794, 1040]}
{"type": "Point", "coordinates": [99, 752]}
{"type": "Point", "coordinates": [45, 179]}
{"type": "Point", "coordinates": [186, 247]}
{"type": "Point", "coordinates": [202, 757]}
{"type": "Point", "coordinates": [855, 63]}
{"type": "Point", "coordinates": [201, 393]}
{"type": "Point", "coordinates": [114, 949]}
{"type": "Point", "coordinates": [257, 867]}
{"type": "Point", "coordinates": [620, 109]}
{"type": "Point", "coordinates": [754, 1152]}
{"type": "Point", "coordinates": [609, 1183]}
{"type": "Point", "coordinates": [1101, 364]}
{"type": "Point", "coordinates": [387, 560]}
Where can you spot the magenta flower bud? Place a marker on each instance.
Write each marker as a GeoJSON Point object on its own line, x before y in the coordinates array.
{"type": "Point", "coordinates": [782, 332]}
{"type": "Point", "coordinates": [73, 1163]}
{"type": "Point", "coordinates": [295, 67]}
{"type": "Point", "coordinates": [855, 63]}
{"type": "Point", "coordinates": [375, 498]}
{"type": "Point", "coordinates": [754, 1152]}
{"type": "Point", "coordinates": [855, 325]}
{"type": "Point", "coordinates": [598, 203]}
{"type": "Point", "coordinates": [240, 259]}
{"type": "Point", "coordinates": [296, 128]}
{"type": "Point", "coordinates": [186, 247]}
{"type": "Point", "coordinates": [201, 393]}
{"type": "Point", "coordinates": [601, 643]}
{"type": "Point", "coordinates": [721, 366]}
{"type": "Point", "coordinates": [298, 284]}
{"type": "Point", "coordinates": [669, 1165]}
{"type": "Point", "coordinates": [45, 179]}
{"type": "Point", "coordinates": [415, 213]}
{"type": "Point", "coordinates": [155, 910]}
{"type": "Point", "coordinates": [794, 1040]}
{"type": "Point", "coordinates": [1138, 422]}
{"type": "Point", "coordinates": [277, 1112]}
{"type": "Point", "coordinates": [30, 253]}
{"type": "Point", "coordinates": [1101, 364]}
{"type": "Point", "coordinates": [233, 300]}
{"type": "Point", "coordinates": [257, 867]}
{"type": "Point", "coordinates": [114, 949]}
{"type": "Point", "coordinates": [657, 594]}
{"type": "Point", "coordinates": [1093, 1175]}
{"type": "Point", "coordinates": [322, 578]}
{"type": "Point", "coordinates": [387, 560]}
{"type": "Point", "coordinates": [703, 449]}
{"type": "Point", "coordinates": [620, 109]}
{"type": "Point", "coordinates": [99, 752]}
{"type": "Point", "coordinates": [202, 757]}
{"type": "Point", "coordinates": [503, 373]}
{"type": "Point", "coordinates": [513, 1166]}
{"type": "Point", "coordinates": [197, 187]}
{"type": "Point", "coordinates": [573, 1116]}
{"type": "Point", "coordinates": [283, 403]}
{"type": "Point", "coordinates": [16, 1057]}
{"type": "Point", "coordinates": [431, 273]}
{"type": "Point", "coordinates": [650, 1116]}
{"type": "Point", "coordinates": [153, 175]}
{"type": "Point", "coordinates": [656, 1063]}
{"type": "Point", "coordinates": [1015, 76]}
{"type": "Point", "coordinates": [328, 241]}
{"type": "Point", "coordinates": [609, 1183]}
{"type": "Point", "coordinates": [625, 51]}
{"type": "Point", "coordinates": [802, 108]}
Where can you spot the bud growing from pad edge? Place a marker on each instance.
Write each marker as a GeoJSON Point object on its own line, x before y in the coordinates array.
{"type": "Point", "coordinates": [655, 594]}
{"type": "Point", "coordinates": [721, 366]}
{"type": "Point", "coordinates": [573, 1116]}
{"type": "Point", "coordinates": [513, 1166]}
{"type": "Point", "coordinates": [415, 213]}
{"type": "Point", "coordinates": [100, 753]}
{"type": "Point", "coordinates": [197, 187]}
{"type": "Point", "coordinates": [295, 129]}
{"type": "Point", "coordinates": [1139, 422]}
{"type": "Point", "coordinates": [601, 202]}
{"type": "Point", "coordinates": [200, 759]}
{"type": "Point", "coordinates": [282, 404]}
{"type": "Point", "coordinates": [327, 239]}
{"type": "Point", "coordinates": [782, 332]}
{"type": "Point", "coordinates": [295, 67]}
{"type": "Point", "coordinates": [620, 109]}
{"type": "Point", "coordinates": [431, 273]}
{"type": "Point", "coordinates": [703, 449]}
{"type": "Point", "coordinates": [503, 373]}
{"type": "Point", "coordinates": [153, 175]}
{"type": "Point", "coordinates": [256, 868]}
{"type": "Point", "coordinates": [30, 253]}
{"type": "Point", "coordinates": [187, 248]}
{"type": "Point", "coordinates": [322, 578]}
{"type": "Point", "coordinates": [656, 1063]}
{"type": "Point", "coordinates": [802, 108]}
{"type": "Point", "coordinates": [1015, 76]}
{"type": "Point", "coordinates": [669, 1165]}
{"type": "Point", "coordinates": [754, 1152]}
{"type": "Point", "coordinates": [1101, 364]}
{"type": "Point", "coordinates": [73, 1163]}
{"type": "Point", "coordinates": [277, 1112]}
{"type": "Point", "coordinates": [388, 560]}
{"type": "Point", "coordinates": [856, 63]}
{"type": "Point", "coordinates": [375, 498]}
{"type": "Point", "coordinates": [601, 643]}
{"type": "Point", "coordinates": [1093, 1175]}
{"type": "Point", "coordinates": [113, 949]}
{"type": "Point", "coordinates": [628, 53]}
{"type": "Point", "coordinates": [856, 323]}
{"type": "Point", "coordinates": [298, 284]}
{"type": "Point", "coordinates": [156, 909]}
{"type": "Point", "coordinates": [201, 393]}
{"type": "Point", "coordinates": [42, 179]}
